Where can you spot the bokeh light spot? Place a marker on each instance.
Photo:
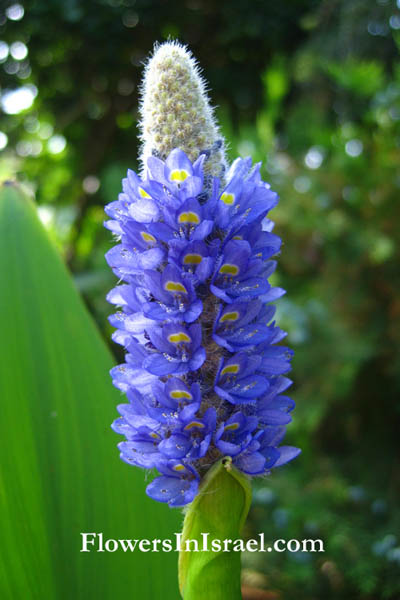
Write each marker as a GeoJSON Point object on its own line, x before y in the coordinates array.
{"type": "Point", "coordinates": [302, 184]}
{"type": "Point", "coordinates": [3, 140]}
{"type": "Point", "coordinates": [15, 12]}
{"type": "Point", "coordinates": [314, 158]}
{"type": "Point", "coordinates": [3, 50]}
{"type": "Point", "coordinates": [56, 144]}
{"type": "Point", "coordinates": [354, 148]}
{"type": "Point", "coordinates": [15, 101]}
{"type": "Point", "coordinates": [18, 50]}
{"type": "Point", "coordinates": [91, 184]}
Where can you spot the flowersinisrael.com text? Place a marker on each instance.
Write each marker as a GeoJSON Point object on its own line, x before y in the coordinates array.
{"type": "Point", "coordinates": [96, 542]}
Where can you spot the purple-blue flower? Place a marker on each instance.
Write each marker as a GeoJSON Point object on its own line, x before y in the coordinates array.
{"type": "Point", "coordinates": [204, 372]}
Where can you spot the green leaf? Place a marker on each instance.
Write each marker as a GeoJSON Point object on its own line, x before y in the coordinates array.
{"type": "Point", "coordinates": [60, 473]}
{"type": "Point", "coordinates": [219, 510]}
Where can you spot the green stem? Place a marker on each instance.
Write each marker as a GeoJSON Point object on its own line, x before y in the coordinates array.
{"type": "Point", "coordinates": [219, 510]}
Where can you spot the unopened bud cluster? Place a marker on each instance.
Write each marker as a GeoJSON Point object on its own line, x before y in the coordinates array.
{"type": "Point", "coordinates": [175, 112]}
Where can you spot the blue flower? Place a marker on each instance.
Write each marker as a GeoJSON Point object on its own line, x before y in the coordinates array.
{"type": "Point", "coordinates": [204, 372]}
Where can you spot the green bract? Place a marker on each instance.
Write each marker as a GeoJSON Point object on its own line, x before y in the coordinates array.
{"type": "Point", "coordinates": [219, 510]}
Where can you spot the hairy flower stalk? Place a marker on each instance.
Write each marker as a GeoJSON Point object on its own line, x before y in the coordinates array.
{"type": "Point", "coordinates": [204, 374]}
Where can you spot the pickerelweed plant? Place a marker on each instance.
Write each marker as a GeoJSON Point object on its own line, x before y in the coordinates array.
{"type": "Point", "coordinates": [204, 373]}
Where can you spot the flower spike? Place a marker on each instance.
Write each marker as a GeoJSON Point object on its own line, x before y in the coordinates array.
{"type": "Point", "coordinates": [205, 373]}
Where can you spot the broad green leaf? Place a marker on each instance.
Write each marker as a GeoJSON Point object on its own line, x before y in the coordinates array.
{"type": "Point", "coordinates": [217, 513]}
{"type": "Point", "coordinates": [60, 473]}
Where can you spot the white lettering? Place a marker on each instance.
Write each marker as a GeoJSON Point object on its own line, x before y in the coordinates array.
{"type": "Point", "coordinates": [290, 543]}
{"type": "Point", "coordinates": [178, 537]}
{"type": "Point", "coordinates": [312, 544]}
{"type": "Point", "coordinates": [195, 544]}
{"type": "Point", "coordinates": [205, 541]}
{"type": "Point", "coordinates": [85, 541]}
{"type": "Point", "coordinates": [142, 544]}
{"type": "Point", "coordinates": [251, 546]}
{"type": "Point", "coordinates": [167, 545]}
{"type": "Point", "coordinates": [276, 546]}
{"type": "Point", "coordinates": [216, 545]}
{"type": "Point", "coordinates": [238, 546]}
{"type": "Point", "coordinates": [114, 543]}
{"type": "Point", "coordinates": [128, 545]}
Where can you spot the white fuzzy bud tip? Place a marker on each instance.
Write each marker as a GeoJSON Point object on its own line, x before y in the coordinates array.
{"type": "Point", "coordinates": [175, 110]}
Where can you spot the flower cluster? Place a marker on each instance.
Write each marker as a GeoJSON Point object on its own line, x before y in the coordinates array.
{"type": "Point", "coordinates": [204, 375]}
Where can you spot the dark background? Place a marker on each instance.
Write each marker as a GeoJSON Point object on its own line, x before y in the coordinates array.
{"type": "Point", "coordinates": [313, 90]}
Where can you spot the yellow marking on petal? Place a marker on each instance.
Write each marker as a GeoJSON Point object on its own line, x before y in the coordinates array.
{"type": "Point", "coordinates": [178, 394]}
{"type": "Point", "coordinates": [228, 269]}
{"type": "Point", "coordinates": [192, 259]}
{"type": "Point", "coordinates": [194, 424]}
{"type": "Point", "coordinates": [178, 175]}
{"type": "Point", "coordinates": [177, 338]}
{"type": "Point", "coordinates": [175, 286]}
{"type": "Point", "coordinates": [148, 237]}
{"type": "Point", "coordinates": [178, 468]}
{"type": "Point", "coordinates": [231, 427]}
{"type": "Point", "coordinates": [228, 198]}
{"type": "Point", "coordinates": [189, 217]}
{"type": "Point", "coordinates": [230, 316]}
{"type": "Point", "coordinates": [154, 435]}
{"type": "Point", "coordinates": [230, 369]}
{"type": "Point", "coordinates": [237, 237]}
{"type": "Point", "coordinates": [143, 193]}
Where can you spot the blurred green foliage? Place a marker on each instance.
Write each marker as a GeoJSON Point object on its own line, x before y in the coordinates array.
{"type": "Point", "coordinates": [311, 88]}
